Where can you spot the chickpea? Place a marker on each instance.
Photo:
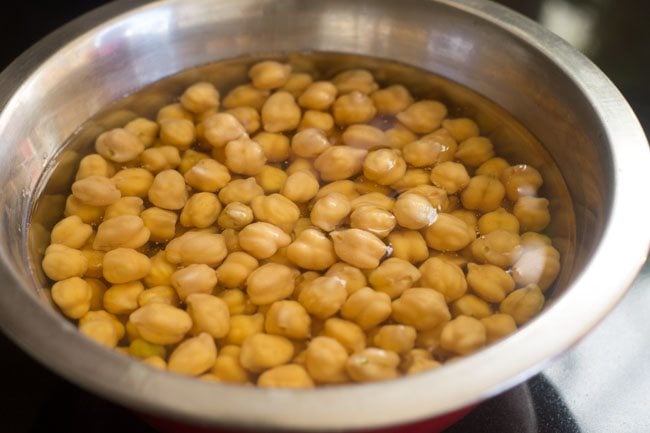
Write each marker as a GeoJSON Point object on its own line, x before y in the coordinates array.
{"type": "Point", "coordinates": [245, 96]}
{"type": "Point", "coordinates": [160, 294]}
{"type": "Point", "coordinates": [221, 128]}
{"type": "Point", "coordinates": [119, 145]}
{"type": "Point", "coordinates": [395, 338]}
{"type": "Point", "coordinates": [95, 260]}
{"type": "Point", "coordinates": [408, 245]}
{"type": "Point", "coordinates": [358, 247]}
{"type": "Point", "coordinates": [161, 323]}
{"type": "Point", "coordinates": [227, 366]}
{"type": "Point", "coordinates": [422, 308]}
{"type": "Point", "coordinates": [161, 223]}
{"type": "Point", "coordinates": [384, 166]}
{"type": "Point", "coordinates": [472, 306]}
{"type": "Point", "coordinates": [372, 364]}
{"type": "Point", "coordinates": [499, 247]}
{"type": "Point", "coordinates": [262, 240]}
{"type": "Point", "coordinates": [449, 233]}
{"type": "Point", "coordinates": [323, 296]}
{"type": "Point", "coordinates": [537, 265]}
{"type": "Point", "coordinates": [297, 83]}
{"type": "Point", "coordinates": [483, 193]}
{"type": "Point", "coordinates": [413, 211]}
{"type": "Point", "coordinates": [463, 335]}
{"type": "Point", "coordinates": [461, 129]}
{"type": "Point", "coordinates": [499, 219]}
{"type": "Point", "coordinates": [288, 319]}
{"type": "Point", "coordinates": [88, 214]}
{"type": "Point", "coordinates": [168, 190]}
{"type": "Point", "coordinates": [72, 295]}
{"type": "Point", "coordinates": [475, 151]}
{"type": "Point", "coordinates": [318, 96]}
{"type": "Point", "coordinates": [144, 129]}
{"type": "Point", "coordinates": [329, 211]}
{"type": "Point", "coordinates": [532, 239]}
{"type": "Point", "coordinates": [353, 107]}
{"type": "Point", "coordinates": [240, 190]}
{"type": "Point", "coordinates": [399, 136]}
{"type": "Point", "coordinates": [367, 308]}
{"type": "Point", "coordinates": [280, 112]}
{"type": "Point", "coordinates": [96, 191]}
{"type": "Point", "coordinates": [312, 250]}
{"type": "Point", "coordinates": [309, 143]}
{"type": "Point", "coordinates": [200, 97]}
{"type": "Point", "coordinates": [269, 283]}
{"type": "Point", "coordinates": [245, 156]}
{"type": "Point", "coordinates": [393, 277]}
{"type": "Point", "coordinates": [143, 349]}
{"type": "Point", "coordinates": [523, 304]}
{"type": "Point", "coordinates": [498, 326]}
{"type": "Point", "coordinates": [449, 145]}
{"type": "Point", "coordinates": [353, 278]}
{"type": "Point", "coordinates": [275, 146]}
{"type": "Point", "coordinates": [413, 177]}
{"type": "Point", "coordinates": [418, 361]}
{"type": "Point", "coordinates": [450, 176]}
{"type": "Point", "coordinates": [346, 187]}
{"type": "Point", "coordinates": [325, 360]}
{"type": "Point", "coordinates": [300, 187]}
{"type": "Point", "coordinates": [61, 262]}
{"type": "Point", "coordinates": [444, 277]}
{"type": "Point", "coordinates": [179, 133]}
{"type": "Point", "coordinates": [248, 117]}
{"type": "Point", "coordinates": [123, 265]}
{"type": "Point", "coordinates": [392, 99]}
{"type": "Point", "coordinates": [493, 167]}
{"type": "Point", "coordinates": [94, 165]}
{"type": "Point", "coordinates": [276, 209]}
{"type": "Point", "coordinates": [532, 213]}
{"type": "Point", "coordinates": [201, 210]}
{"type": "Point", "coordinates": [161, 271]}
{"type": "Point", "coordinates": [340, 162]}
{"type": "Point", "coordinates": [520, 181]}
{"type": "Point", "coordinates": [234, 271]}
{"type": "Point", "coordinates": [423, 116]}
{"type": "Point", "coordinates": [189, 159]}
{"type": "Point", "coordinates": [355, 80]}
{"type": "Point", "coordinates": [235, 216]}
{"type": "Point", "coordinates": [100, 331]}
{"type": "Point", "coordinates": [303, 280]}
{"type": "Point", "coordinates": [269, 74]}
{"type": "Point", "coordinates": [126, 231]}
{"type": "Point", "coordinates": [285, 376]}
{"type": "Point", "coordinates": [243, 326]}
{"type": "Point", "coordinates": [209, 314]}
{"type": "Point", "coordinates": [71, 232]}
{"type": "Point", "coordinates": [196, 278]}
{"type": "Point", "coordinates": [367, 186]}
{"type": "Point", "coordinates": [124, 206]}
{"type": "Point", "coordinates": [123, 298]}
{"type": "Point", "coordinates": [133, 182]}
{"type": "Point", "coordinates": [260, 352]}
{"type": "Point", "coordinates": [232, 240]}
{"type": "Point", "coordinates": [271, 179]}
{"type": "Point", "coordinates": [196, 247]}
{"type": "Point", "coordinates": [301, 164]}
{"type": "Point", "coordinates": [423, 152]}
{"type": "Point", "coordinates": [193, 356]}
{"type": "Point", "coordinates": [156, 362]}
{"type": "Point", "coordinates": [490, 282]}
{"type": "Point", "coordinates": [364, 137]}
{"type": "Point", "coordinates": [373, 219]}
{"type": "Point", "coordinates": [173, 111]}
{"type": "Point", "coordinates": [317, 119]}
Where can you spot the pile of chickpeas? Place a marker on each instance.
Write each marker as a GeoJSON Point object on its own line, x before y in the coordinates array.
{"type": "Point", "coordinates": [298, 233]}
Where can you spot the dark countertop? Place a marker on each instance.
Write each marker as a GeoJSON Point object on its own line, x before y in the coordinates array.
{"type": "Point", "coordinates": [601, 385]}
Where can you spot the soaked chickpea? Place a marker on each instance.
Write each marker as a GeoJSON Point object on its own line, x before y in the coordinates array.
{"type": "Point", "coordinates": [303, 230]}
{"type": "Point", "coordinates": [423, 117]}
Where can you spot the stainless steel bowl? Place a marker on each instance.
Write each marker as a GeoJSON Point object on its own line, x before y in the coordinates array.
{"type": "Point", "coordinates": [562, 98]}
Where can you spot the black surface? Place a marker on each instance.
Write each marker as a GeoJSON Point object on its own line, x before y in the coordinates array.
{"type": "Point", "coordinates": [34, 400]}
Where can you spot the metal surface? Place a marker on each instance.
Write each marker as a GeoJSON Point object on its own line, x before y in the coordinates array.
{"type": "Point", "coordinates": [551, 89]}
